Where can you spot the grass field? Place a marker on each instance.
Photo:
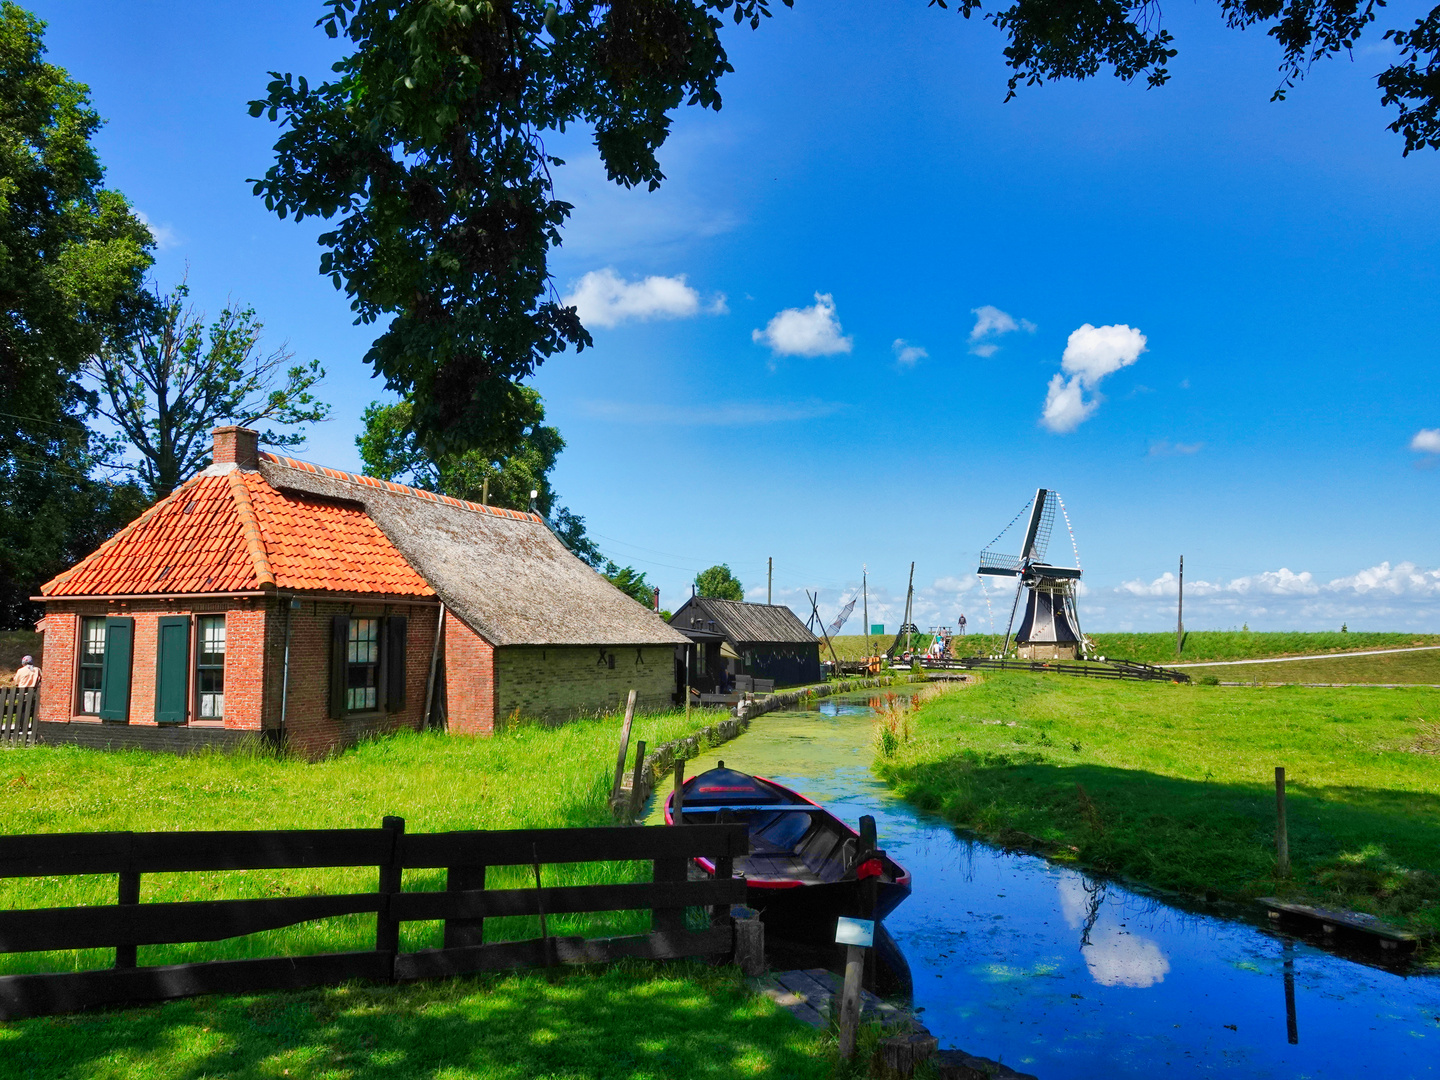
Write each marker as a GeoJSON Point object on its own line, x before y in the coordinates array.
{"type": "Point", "coordinates": [634, 1021]}
{"type": "Point", "coordinates": [1174, 785]}
{"type": "Point", "coordinates": [1414, 667]}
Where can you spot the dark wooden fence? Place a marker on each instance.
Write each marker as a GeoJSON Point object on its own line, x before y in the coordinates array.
{"type": "Point", "coordinates": [1109, 669]}
{"type": "Point", "coordinates": [464, 905]}
{"type": "Point", "coordinates": [17, 715]}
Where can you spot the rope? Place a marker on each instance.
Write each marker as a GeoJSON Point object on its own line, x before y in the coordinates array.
{"type": "Point", "coordinates": [1012, 522]}
{"type": "Point", "coordinates": [1073, 546]}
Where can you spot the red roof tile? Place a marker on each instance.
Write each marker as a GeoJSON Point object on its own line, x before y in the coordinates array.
{"type": "Point", "coordinates": [195, 541]}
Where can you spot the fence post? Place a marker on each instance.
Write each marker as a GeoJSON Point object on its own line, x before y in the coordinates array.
{"type": "Point", "coordinates": [1282, 835]}
{"type": "Point", "coordinates": [129, 893]}
{"type": "Point", "coordinates": [624, 747]}
{"type": "Point", "coordinates": [462, 932]}
{"type": "Point", "coordinates": [677, 804]}
{"type": "Point", "coordinates": [387, 927]}
{"type": "Point", "coordinates": [635, 783]}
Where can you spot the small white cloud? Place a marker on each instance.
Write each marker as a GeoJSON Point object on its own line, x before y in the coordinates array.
{"type": "Point", "coordinates": [604, 298]}
{"type": "Point", "coordinates": [1165, 448]}
{"type": "Point", "coordinates": [811, 331]}
{"type": "Point", "coordinates": [165, 237]}
{"type": "Point", "coordinates": [991, 322]}
{"type": "Point", "coordinates": [1426, 441]}
{"type": "Point", "coordinates": [1091, 353]}
{"type": "Point", "coordinates": [907, 355]}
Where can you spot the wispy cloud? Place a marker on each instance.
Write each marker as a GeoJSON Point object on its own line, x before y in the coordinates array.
{"type": "Point", "coordinates": [719, 414]}
{"type": "Point", "coordinates": [1166, 448]}
{"type": "Point", "coordinates": [907, 355]}
{"type": "Point", "coordinates": [604, 298]}
{"type": "Point", "coordinates": [1091, 353]}
{"type": "Point", "coordinates": [166, 238]}
{"type": "Point", "coordinates": [991, 323]}
{"type": "Point", "coordinates": [811, 331]}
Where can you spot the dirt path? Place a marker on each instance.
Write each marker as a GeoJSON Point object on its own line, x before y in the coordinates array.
{"type": "Point", "coordinates": [1321, 656]}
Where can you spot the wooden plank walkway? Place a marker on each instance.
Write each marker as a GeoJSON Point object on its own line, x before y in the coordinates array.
{"type": "Point", "coordinates": [1391, 937]}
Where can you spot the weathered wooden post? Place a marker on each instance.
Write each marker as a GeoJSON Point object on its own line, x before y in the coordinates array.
{"type": "Point", "coordinates": [857, 935]}
{"type": "Point", "coordinates": [901, 1055]}
{"type": "Point", "coordinates": [1282, 835]}
{"type": "Point", "coordinates": [635, 782]}
{"type": "Point", "coordinates": [749, 940]}
{"type": "Point", "coordinates": [387, 927]}
{"type": "Point", "coordinates": [624, 746]}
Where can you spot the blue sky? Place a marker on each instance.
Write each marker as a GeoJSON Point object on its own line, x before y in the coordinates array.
{"type": "Point", "coordinates": [1278, 259]}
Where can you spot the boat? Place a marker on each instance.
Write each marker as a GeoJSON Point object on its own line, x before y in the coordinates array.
{"type": "Point", "coordinates": [805, 866]}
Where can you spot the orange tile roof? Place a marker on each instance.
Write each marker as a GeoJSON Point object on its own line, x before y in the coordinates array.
{"type": "Point", "coordinates": [233, 532]}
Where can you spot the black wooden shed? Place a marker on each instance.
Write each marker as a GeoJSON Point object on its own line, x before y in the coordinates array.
{"type": "Point", "coordinates": [769, 640]}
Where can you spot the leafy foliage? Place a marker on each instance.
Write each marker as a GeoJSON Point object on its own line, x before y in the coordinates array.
{"type": "Point", "coordinates": [718, 582]}
{"type": "Point", "coordinates": [631, 582]}
{"type": "Point", "coordinates": [72, 262]}
{"type": "Point", "coordinates": [427, 146]}
{"type": "Point", "coordinates": [169, 386]}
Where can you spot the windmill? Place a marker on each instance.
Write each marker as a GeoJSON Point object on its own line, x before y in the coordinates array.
{"type": "Point", "coordinates": [1050, 628]}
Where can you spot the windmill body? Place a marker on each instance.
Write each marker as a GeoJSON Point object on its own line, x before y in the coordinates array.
{"type": "Point", "coordinates": [1049, 623]}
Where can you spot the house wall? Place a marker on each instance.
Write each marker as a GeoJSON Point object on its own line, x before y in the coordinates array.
{"type": "Point", "coordinates": [469, 680]}
{"type": "Point", "coordinates": [561, 683]}
{"type": "Point", "coordinates": [254, 671]}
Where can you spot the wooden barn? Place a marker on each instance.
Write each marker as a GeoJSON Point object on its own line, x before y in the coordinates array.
{"type": "Point", "coordinates": [268, 596]}
{"type": "Point", "coordinates": [765, 641]}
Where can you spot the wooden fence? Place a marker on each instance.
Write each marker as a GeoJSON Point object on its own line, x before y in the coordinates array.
{"type": "Point", "coordinates": [464, 905]}
{"type": "Point", "coordinates": [17, 715]}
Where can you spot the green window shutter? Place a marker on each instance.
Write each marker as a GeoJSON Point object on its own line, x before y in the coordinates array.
{"type": "Point", "coordinates": [172, 670]}
{"type": "Point", "coordinates": [115, 676]}
{"type": "Point", "coordinates": [339, 643]}
{"type": "Point", "coordinates": [395, 663]}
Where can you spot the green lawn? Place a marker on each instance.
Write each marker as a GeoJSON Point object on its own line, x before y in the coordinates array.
{"type": "Point", "coordinates": [632, 1021]}
{"type": "Point", "coordinates": [1160, 648]}
{"type": "Point", "coordinates": [1174, 785]}
{"type": "Point", "coordinates": [1407, 667]}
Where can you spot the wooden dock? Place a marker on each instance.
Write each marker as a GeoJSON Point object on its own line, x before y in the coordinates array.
{"type": "Point", "coordinates": [809, 994]}
{"type": "Point", "coordinates": [1331, 921]}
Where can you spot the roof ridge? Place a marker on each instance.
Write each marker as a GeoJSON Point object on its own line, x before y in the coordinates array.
{"type": "Point", "coordinates": [250, 528]}
{"type": "Point", "coordinates": [398, 489]}
{"type": "Point", "coordinates": [60, 578]}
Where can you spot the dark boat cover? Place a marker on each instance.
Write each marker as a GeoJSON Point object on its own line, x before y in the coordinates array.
{"type": "Point", "coordinates": [728, 787]}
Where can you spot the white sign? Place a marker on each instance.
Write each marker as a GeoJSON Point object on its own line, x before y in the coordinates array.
{"type": "Point", "coordinates": [855, 932]}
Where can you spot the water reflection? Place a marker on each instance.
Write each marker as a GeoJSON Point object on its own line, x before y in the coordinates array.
{"type": "Point", "coordinates": [1065, 976]}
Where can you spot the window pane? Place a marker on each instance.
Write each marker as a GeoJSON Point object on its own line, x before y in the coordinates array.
{"type": "Point", "coordinates": [364, 643]}
{"type": "Point", "coordinates": [94, 640]}
{"type": "Point", "coordinates": [212, 639]}
{"type": "Point", "coordinates": [90, 701]}
{"type": "Point", "coordinates": [212, 705]}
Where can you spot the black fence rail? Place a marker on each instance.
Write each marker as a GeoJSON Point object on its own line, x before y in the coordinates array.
{"type": "Point", "coordinates": [17, 715]}
{"type": "Point", "coordinates": [464, 905]}
{"type": "Point", "coordinates": [1088, 669]}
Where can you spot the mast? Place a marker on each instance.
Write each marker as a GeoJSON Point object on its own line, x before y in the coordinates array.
{"type": "Point", "coordinates": [909, 596]}
{"type": "Point", "coordinates": [865, 592]}
{"type": "Point", "coordinates": [1180, 611]}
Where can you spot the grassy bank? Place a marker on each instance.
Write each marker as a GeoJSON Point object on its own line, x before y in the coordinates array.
{"type": "Point", "coordinates": [631, 1021]}
{"type": "Point", "coordinates": [1173, 785]}
{"type": "Point", "coordinates": [1412, 667]}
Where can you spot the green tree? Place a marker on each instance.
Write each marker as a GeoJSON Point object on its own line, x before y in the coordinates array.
{"type": "Point", "coordinates": [718, 582]}
{"type": "Point", "coordinates": [631, 582]}
{"type": "Point", "coordinates": [73, 258]}
{"type": "Point", "coordinates": [391, 451]}
{"type": "Point", "coordinates": [175, 381]}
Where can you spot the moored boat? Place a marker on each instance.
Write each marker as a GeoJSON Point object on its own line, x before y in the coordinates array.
{"type": "Point", "coordinates": [805, 866]}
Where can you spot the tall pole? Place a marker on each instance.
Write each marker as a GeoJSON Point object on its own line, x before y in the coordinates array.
{"type": "Point", "coordinates": [1180, 611]}
{"type": "Point", "coordinates": [865, 592]}
{"type": "Point", "coordinates": [909, 594]}
{"type": "Point", "coordinates": [770, 580]}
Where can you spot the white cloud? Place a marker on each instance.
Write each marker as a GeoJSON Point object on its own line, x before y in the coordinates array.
{"type": "Point", "coordinates": [907, 355]}
{"type": "Point", "coordinates": [604, 298]}
{"type": "Point", "coordinates": [1165, 448]}
{"type": "Point", "coordinates": [165, 237]}
{"type": "Point", "coordinates": [991, 322]}
{"type": "Point", "coordinates": [1114, 954]}
{"type": "Point", "coordinates": [811, 331]}
{"type": "Point", "coordinates": [1091, 353]}
{"type": "Point", "coordinates": [1426, 441]}
{"type": "Point", "coordinates": [718, 414]}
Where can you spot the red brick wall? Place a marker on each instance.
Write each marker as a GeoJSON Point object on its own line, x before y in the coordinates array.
{"type": "Point", "coordinates": [309, 729]}
{"type": "Point", "coordinates": [245, 661]}
{"type": "Point", "coordinates": [469, 680]}
{"type": "Point", "coordinates": [254, 664]}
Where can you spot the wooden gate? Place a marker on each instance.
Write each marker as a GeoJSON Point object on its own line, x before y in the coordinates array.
{"type": "Point", "coordinates": [17, 715]}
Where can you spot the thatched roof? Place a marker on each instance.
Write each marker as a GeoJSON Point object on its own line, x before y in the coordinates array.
{"type": "Point", "coordinates": [743, 623]}
{"type": "Point", "coordinates": [501, 571]}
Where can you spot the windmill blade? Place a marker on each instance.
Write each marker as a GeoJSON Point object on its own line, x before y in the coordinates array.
{"type": "Point", "coordinates": [1037, 511]}
{"type": "Point", "coordinates": [999, 565]}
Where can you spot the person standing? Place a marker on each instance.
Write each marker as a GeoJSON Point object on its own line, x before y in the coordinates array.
{"type": "Point", "coordinates": [28, 677]}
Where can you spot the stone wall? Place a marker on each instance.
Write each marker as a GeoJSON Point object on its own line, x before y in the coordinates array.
{"type": "Point", "coordinates": [560, 683]}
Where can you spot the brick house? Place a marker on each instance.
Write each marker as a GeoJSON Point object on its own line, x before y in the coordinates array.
{"type": "Point", "coordinates": [268, 597]}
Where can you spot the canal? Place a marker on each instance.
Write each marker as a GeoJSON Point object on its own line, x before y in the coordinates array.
{"type": "Point", "coordinates": [1066, 976]}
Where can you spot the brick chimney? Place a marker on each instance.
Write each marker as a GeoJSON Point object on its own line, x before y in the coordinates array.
{"type": "Point", "coordinates": [238, 446]}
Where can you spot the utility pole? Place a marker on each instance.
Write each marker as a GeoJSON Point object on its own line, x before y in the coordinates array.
{"type": "Point", "coordinates": [865, 591]}
{"type": "Point", "coordinates": [770, 580]}
{"type": "Point", "coordinates": [1180, 611]}
{"type": "Point", "coordinates": [909, 595]}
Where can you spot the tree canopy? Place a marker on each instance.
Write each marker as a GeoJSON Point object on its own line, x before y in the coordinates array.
{"type": "Point", "coordinates": [72, 262]}
{"type": "Point", "coordinates": [718, 582]}
{"type": "Point", "coordinates": [169, 386]}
